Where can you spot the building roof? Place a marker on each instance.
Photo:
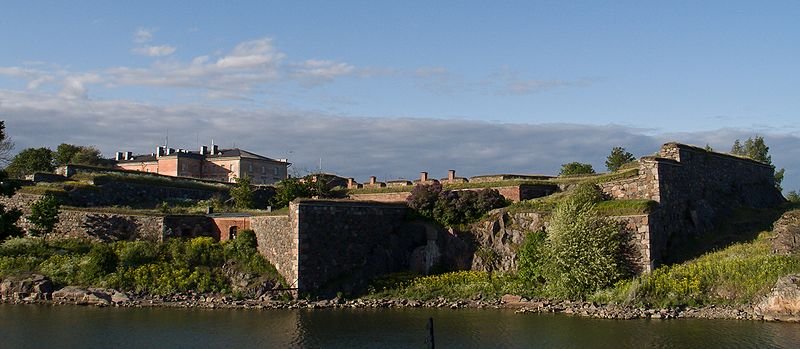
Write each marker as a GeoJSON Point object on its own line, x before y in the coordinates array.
{"type": "Point", "coordinates": [222, 153]}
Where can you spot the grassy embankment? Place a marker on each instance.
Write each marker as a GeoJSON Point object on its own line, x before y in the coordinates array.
{"type": "Point", "coordinates": [732, 265]}
{"type": "Point", "coordinates": [139, 266]}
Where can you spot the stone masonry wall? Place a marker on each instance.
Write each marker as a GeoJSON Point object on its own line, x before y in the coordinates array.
{"type": "Point", "coordinates": [503, 233]}
{"type": "Point", "coordinates": [107, 226]}
{"type": "Point", "coordinates": [382, 197]}
{"type": "Point", "coordinates": [277, 241]}
{"type": "Point", "coordinates": [344, 244]}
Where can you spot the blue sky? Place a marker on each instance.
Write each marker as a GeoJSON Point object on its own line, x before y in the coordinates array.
{"type": "Point", "coordinates": [640, 72]}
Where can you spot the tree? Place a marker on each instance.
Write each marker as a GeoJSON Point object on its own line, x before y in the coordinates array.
{"type": "Point", "coordinates": [44, 215]}
{"type": "Point", "coordinates": [8, 218]}
{"type": "Point", "coordinates": [6, 145]}
{"type": "Point", "coordinates": [242, 193]}
{"type": "Point", "coordinates": [755, 148]}
{"type": "Point", "coordinates": [617, 158]}
{"type": "Point", "coordinates": [288, 190]}
{"type": "Point", "coordinates": [584, 251]}
{"type": "Point", "coordinates": [708, 148]}
{"type": "Point", "coordinates": [576, 168]}
{"type": "Point", "coordinates": [793, 196]}
{"type": "Point", "coordinates": [77, 154]}
{"type": "Point", "coordinates": [31, 160]}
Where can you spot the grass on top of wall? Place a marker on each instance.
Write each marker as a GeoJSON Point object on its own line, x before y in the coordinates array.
{"type": "Point", "coordinates": [175, 182]}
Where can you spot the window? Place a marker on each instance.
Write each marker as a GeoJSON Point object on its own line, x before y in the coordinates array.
{"type": "Point", "coordinates": [250, 168]}
{"type": "Point", "coordinates": [263, 170]}
{"type": "Point", "coordinates": [275, 171]}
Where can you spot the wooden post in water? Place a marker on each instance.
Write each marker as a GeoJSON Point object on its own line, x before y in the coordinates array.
{"type": "Point", "coordinates": [430, 341]}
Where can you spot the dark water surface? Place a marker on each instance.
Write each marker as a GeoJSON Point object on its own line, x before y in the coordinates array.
{"type": "Point", "coordinates": [36, 326]}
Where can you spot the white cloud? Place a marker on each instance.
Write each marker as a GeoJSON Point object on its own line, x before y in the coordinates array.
{"type": "Point", "coordinates": [143, 35]}
{"type": "Point", "coordinates": [387, 147]}
{"type": "Point", "coordinates": [155, 51]}
{"type": "Point", "coordinates": [74, 86]}
{"type": "Point", "coordinates": [322, 70]}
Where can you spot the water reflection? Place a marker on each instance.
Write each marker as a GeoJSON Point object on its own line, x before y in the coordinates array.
{"type": "Point", "coordinates": [86, 327]}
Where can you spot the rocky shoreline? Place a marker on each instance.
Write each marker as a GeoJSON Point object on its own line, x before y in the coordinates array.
{"type": "Point", "coordinates": [37, 289]}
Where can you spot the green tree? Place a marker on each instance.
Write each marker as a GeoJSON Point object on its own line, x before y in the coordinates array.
{"type": "Point", "coordinates": [576, 168]}
{"type": "Point", "coordinates": [288, 190]}
{"type": "Point", "coordinates": [44, 215]}
{"type": "Point", "coordinates": [242, 193]}
{"type": "Point", "coordinates": [584, 251]}
{"type": "Point", "coordinates": [8, 218]}
{"type": "Point", "coordinates": [617, 158]}
{"type": "Point", "coordinates": [708, 148]}
{"type": "Point", "coordinates": [793, 197]}
{"type": "Point", "coordinates": [6, 145]}
{"type": "Point", "coordinates": [31, 160]}
{"type": "Point", "coordinates": [755, 148]}
{"type": "Point", "coordinates": [77, 154]}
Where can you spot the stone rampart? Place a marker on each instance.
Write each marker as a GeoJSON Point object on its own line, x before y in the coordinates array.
{"type": "Point", "coordinates": [344, 244]}
{"type": "Point", "coordinates": [399, 197]}
{"type": "Point", "coordinates": [277, 241]}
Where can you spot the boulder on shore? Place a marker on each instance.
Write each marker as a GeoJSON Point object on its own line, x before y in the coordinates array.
{"type": "Point", "coordinates": [82, 296]}
{"type": "Point", "coordinates": [783, 303]}
{"type": "Point", "coordinates": [28, 287]}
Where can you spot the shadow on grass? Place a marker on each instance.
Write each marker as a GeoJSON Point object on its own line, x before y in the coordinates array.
{"type": "Point", "coordinates": [742, 225]}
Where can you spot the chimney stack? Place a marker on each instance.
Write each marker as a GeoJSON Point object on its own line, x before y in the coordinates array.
{"type": "Point", "coordinates": [350, 183]}
{"type": "Point", "coordinates": [451, 175]}
{"type": "Point", "coordinates": [204, 150]}
{"type": "Point", "coordinates": [159, 151]}
{"type": "Point", "coordinates": [214, 149]}
{"type": "Point", "coordinates": [373, 180]}
{"type": "Point", "coordinates": [118, 156]}
{"type": "Point", "coordinates": [128, 155]}
{"type": "Point", "coordinates": [170, 151]}
{"type": "Point", "coordinates": [423, 176]}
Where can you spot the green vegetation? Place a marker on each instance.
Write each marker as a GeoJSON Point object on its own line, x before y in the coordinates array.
{"type": "Point", "coordinates": [8, 217]}
{"type": "Point", "coordinates": [618, 158]}
{"type": "Point", "coordinates": [450, 286]}
{"type": "Point", "coordinates": [140, 266]}
{"type": "Point", "coordinates": [31, 160]}
{"type": "Point", "coordinates": [793, 197]}
{"type": "Point", "coordinates": [242, 193]}
{"type": "Point", "coordinates": [290, 189]}
{"type": "Point", "coordinates": [576, 168]}
{"type": "Point", "coordinates": [157, 180]}
{"type": "Point", "coordinates": [44, 215]}
{"type": "Point", "coordinates": [452, 207]}
{"type": "Point", "coordinates": [736, 274]}
{"type": "Point", "coordinates": [755, 148]}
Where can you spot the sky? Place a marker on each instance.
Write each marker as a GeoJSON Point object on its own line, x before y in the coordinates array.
{"type": "Point", "coordinates": [392, 88]}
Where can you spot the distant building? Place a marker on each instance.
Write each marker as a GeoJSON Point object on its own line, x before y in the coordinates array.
{"type": "Point", "coordinates": [223, 165]}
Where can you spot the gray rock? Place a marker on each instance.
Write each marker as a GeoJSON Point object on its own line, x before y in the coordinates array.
{"type": "Point", "coordinates": [783, 303]}
{"type": "Point", "coordinates": [31, 287]}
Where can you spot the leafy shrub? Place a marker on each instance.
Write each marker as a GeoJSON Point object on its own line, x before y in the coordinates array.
{"type": "Point", "coordinates": [576, 168]}
{"type": "Point", "coordinates": [44, 215]}
{"type": "Point", "coordinates": [588, 193]}
{"type": "Point", "coordinates": [205, 252]}
{"type": "Point", "coordinates": [584, 251]}
{"type": "Point", "coordinates": [531, 257]}
{"type": "Point", "coordinates": [24, 247]}
{"type": "Point", "coordinates": [136, 253]}
{"type": "Point", "coordinates": [452, 207]}
{"type": "Point", "coordinates": [71, 245]}
{"type": "Point", "coordinates": [62, 269]}
{"type": "Point", "coordinates": [288, 190]}
{"type": "Point", "coordinates": [452, 286]}
{"type": "Point", "coordinates": [793, 197]}
{"type": "Point", "coordinates": [101, 261]}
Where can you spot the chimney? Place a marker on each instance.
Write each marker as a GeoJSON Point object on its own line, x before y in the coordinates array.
{"type": "Point", "coordinates": [214, 149]}
{"type": "Point", "coordinates": [451, 175]}
{"type": "Point", "coordinates": [118, 156]}
{"type": "Point", "coordinates": [423, 176]}
{"type": "Point", "coordinates": [373, 180]}
{"type": "Point", "coordinates": [159, 151]}
{"type": "Point", "coordinates": [128, 155]}
{"type": "Point", "coordinates": [204, 150]}
{"type": "Point", "coordinates": [170, 151]}
{"type": "Point", "coordinates": [350, 183]}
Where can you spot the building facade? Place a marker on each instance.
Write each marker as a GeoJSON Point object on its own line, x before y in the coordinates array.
{"type": "Point", "coordinates": [223, 165]}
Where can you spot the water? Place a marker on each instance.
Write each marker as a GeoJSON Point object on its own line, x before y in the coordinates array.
{"type": "Point", "coordinates": [36, 326]}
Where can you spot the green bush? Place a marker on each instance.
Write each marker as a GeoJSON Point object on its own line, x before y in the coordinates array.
{"type": "Point", "coordinates": [531, 257]}
{"type": "Point", "coordinates": [453, 207]}
{"type": "Point", "coordinates": [584, 251]}
{"type": "Point", "coordinates": [137, 253]}
{"type": "Point", "coordinates": [588, 193]}
{"type": "Point", "coordinates": [204, 252]}
{"type": "Point", "coordinates": [63, 269]}
{"type": "Point", "coordinates": [101, 261]}
{"type": "Point", "coordinates": [24, 247]}
{"type": "Point", "coordinates": [452, 286]}
{"type": "Point", "coordinates": [44, 215]}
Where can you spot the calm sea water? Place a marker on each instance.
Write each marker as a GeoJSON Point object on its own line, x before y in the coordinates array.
{"type": "Point", "coordinates": [36, 326]}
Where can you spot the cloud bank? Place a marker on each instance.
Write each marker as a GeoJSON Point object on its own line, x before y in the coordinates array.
{"type": "Point", "coordinates": [359, 147]}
